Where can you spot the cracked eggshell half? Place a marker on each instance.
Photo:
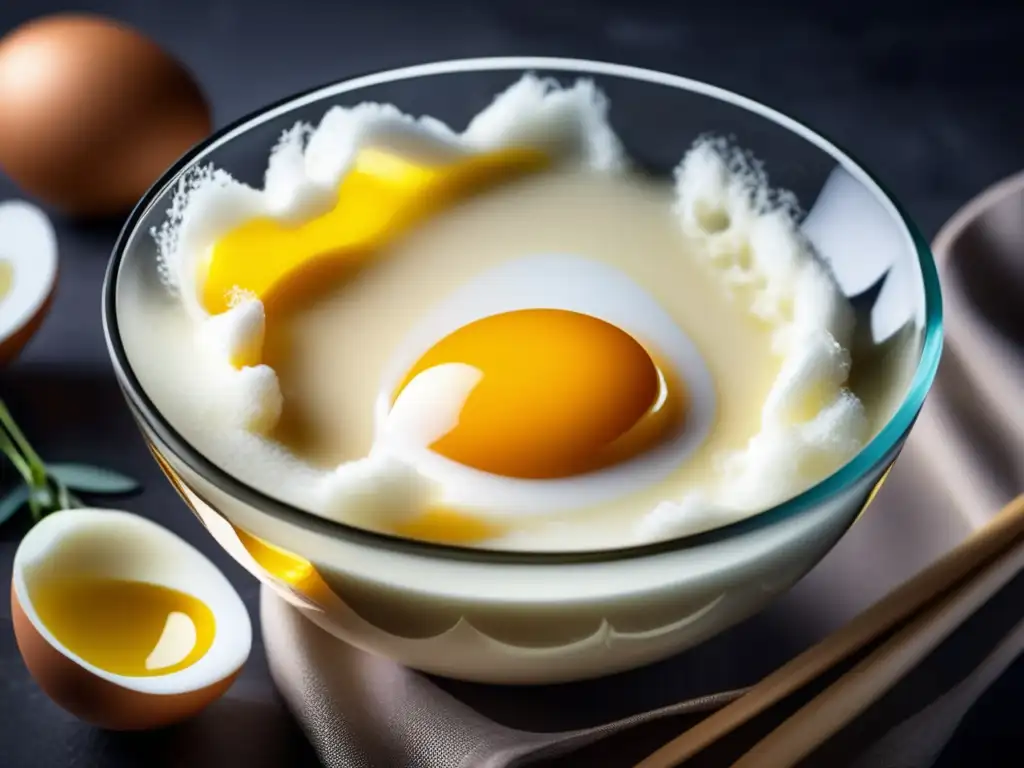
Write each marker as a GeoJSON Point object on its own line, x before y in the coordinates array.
{"type": "Point", "coordinates": [28, 274]}
{"type": "Point", "coordinates": [107, 544]}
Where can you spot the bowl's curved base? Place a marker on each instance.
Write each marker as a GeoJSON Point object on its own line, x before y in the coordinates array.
{"type": "Point", "coordinates": [457, 654]}
{"type": "Point", "coordinates": [525, 625]}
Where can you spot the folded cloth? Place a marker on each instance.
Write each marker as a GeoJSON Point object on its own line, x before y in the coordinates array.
{"type": "Point", "coordinates": [964, 460]}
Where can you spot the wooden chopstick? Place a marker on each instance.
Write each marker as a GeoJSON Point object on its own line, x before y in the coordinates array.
{"type": "Point", "coordinates": [867, 682]}
{"type": "Point", "coordinates": [906, 600]}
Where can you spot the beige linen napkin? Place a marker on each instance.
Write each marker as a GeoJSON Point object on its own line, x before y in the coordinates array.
{"type": "Point", "coordinates": [964, 460]}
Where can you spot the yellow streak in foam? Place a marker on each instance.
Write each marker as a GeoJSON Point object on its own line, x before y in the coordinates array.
{"type": "Point", "coordinates": [380, 197]}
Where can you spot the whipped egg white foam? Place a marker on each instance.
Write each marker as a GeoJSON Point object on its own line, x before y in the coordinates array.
{"type": "Point", "coordinates": [749, 234]}
{"type": "Point", "coordinates": [723, 205]}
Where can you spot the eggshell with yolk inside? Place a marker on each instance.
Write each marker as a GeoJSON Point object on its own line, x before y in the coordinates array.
{"type": "Point", "coordinates": [113, 544]}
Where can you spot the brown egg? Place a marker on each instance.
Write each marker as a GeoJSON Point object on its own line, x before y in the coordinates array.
{"type": "Point", "coordinates": [92, 112]}
{"type": "Point", "coordinates": [121, 622]}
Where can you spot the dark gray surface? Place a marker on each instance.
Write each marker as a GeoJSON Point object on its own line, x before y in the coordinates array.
{"type": "Point", "coordinates": [930, 102]}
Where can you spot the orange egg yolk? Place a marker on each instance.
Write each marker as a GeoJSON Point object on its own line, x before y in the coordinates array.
{"type": "Point", "coordinates": [559, 393]}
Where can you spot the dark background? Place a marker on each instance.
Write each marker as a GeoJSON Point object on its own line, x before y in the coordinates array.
{"type": "Point", "coordinates": [929, 95]}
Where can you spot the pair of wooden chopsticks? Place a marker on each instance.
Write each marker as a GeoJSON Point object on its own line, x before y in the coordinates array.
{"type": "Point", "coordinates": [931, 606]}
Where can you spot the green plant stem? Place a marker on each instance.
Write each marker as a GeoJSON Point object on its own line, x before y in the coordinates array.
{"type": "Point", "coordinates": [35, 464]}
{"type": "Point", "coordinates": [19, 462]}
{"type": "Point", "coordinates": [44, 495]}
{"type": "Point", "coordinates": [65, 498]}
{"type": "Point", "coordinates": [46, 492]}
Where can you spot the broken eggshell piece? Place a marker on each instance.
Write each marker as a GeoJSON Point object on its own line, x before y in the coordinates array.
{"type": "Point", "coordinates": [84, 544]}
{"type": "Point", "coordinates": [28, 274]}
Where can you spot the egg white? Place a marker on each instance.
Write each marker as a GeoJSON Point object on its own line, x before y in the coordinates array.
{"type": "Point", "coordinates": [302, 176]}
{"type": "Point", "coordinates": [29, 243]}
{"type": "Point", "coordinates": [548, 281]}
{"type": "Point", "coordinates": [753, 243]}
{"type": "Point", "coordinates": [104, 543]}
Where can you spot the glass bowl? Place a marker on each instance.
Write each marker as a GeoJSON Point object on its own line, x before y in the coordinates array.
{"type": "Point", "coordinates": [533, 617]}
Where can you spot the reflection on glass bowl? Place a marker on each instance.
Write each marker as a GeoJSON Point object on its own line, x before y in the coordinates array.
{"type": "Point", "coordinates": [530, 617]}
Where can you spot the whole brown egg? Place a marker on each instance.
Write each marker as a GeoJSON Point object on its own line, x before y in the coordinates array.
{"type": "Point", "coordinates": [92, 112]}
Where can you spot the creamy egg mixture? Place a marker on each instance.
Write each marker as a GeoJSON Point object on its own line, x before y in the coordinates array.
{"type": "Point", "coordinates": [501, 337]}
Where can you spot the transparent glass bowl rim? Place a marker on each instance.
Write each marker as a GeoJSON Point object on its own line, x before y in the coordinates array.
{"type": "Point", "coordinates": [867, 459]}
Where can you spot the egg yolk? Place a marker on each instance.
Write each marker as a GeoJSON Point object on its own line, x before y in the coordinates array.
{"type": "Point", "coordinates": [448, 526]}
{"type": "Point", "coordinates": [131, 628]}
{"type": "Point", "coordinates": [558, 393]}
{"type": "Point", "coordinates": [382, 195]}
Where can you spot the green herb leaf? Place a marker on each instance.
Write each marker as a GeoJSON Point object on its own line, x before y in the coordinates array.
{"type": "Point", "coordinates": [12, 502]}
{"type": "Point", "coordinates": [97, 480]}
